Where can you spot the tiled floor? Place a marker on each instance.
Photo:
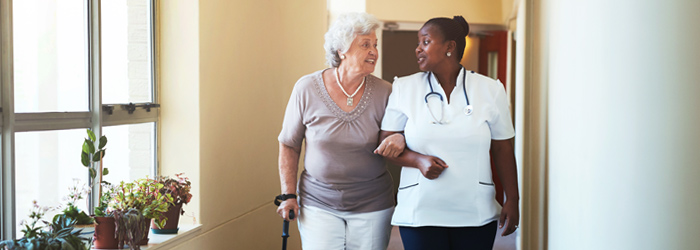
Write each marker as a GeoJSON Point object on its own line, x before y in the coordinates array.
{"type": "Point", "coordinates": [502, 243]}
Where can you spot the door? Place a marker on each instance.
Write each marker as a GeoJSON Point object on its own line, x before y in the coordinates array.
{"type": "Point", "coordinates": [493, 52]}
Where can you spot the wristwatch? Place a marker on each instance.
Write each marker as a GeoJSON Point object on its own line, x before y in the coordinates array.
{"type": "Point", "coordinates": [283, 197]}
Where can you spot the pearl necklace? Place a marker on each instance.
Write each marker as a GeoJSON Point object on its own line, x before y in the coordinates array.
{"type": "Point", "coordinates": [337, 79]}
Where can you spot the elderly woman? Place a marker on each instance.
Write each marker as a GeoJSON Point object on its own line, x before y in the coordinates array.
{"type": "Point", "coordinates": [345, 197]}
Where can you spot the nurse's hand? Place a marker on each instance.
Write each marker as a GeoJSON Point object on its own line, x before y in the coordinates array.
{"type": "Point", "coordinates": [430, 166]}
{"type": "Point", "coordinates": [285, 206]}
{"type": "Point", "coordinates": [392, 146]}
{"type": "Point", "coordinates": [510, 216]}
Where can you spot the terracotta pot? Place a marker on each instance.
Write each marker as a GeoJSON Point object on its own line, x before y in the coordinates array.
{"type": "Point", "coordinates": [144, 241]}
{"type": "Point", "coordinates": [171, 225]}
{"type": "Point", "coordinates": [87, 231]}
{"type": "Point", "coordinates": [104, 233]}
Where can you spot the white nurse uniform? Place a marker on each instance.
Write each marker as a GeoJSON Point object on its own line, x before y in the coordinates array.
{"type": "Point", "coordinates": [463, 195]}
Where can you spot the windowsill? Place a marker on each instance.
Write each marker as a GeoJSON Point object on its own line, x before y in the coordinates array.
{"type": "Point", "coordinates": [167, 241]}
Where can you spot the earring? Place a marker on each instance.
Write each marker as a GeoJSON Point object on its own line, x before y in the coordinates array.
{"type": "Point", "coordinates": [449, 54]}
{"type": "Point", "coordinates": [342, 57]}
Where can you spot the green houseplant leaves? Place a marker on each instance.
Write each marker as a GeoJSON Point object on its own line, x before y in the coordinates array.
{"type": "Point", "coordinates": [92, 152]}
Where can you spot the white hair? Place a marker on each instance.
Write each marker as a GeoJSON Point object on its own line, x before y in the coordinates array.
{"type": "Point", "coordinates": [343, 31]}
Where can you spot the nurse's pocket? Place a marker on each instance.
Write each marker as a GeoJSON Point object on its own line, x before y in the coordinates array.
{"type": "Point", "coordinates": [485, 177]}
{"type": "Point", "coordinates": [409, 178]}
{"type": "Point", "coordinates": [407, 197]}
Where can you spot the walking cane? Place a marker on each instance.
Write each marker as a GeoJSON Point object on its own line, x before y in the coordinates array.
{"type": "Point", "coordinates": [285, 230]}
{"type": "Point", "coordinates": [285, 224]}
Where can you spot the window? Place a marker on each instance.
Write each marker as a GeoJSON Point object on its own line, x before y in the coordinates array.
{"type": "Point", "coordinates": [73, 65]}
{"type": "Point", "coordinates": [49, 56]}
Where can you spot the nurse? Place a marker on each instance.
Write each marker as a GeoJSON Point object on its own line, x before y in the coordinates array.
{"type": "Point", "coordinates": [451, 118]}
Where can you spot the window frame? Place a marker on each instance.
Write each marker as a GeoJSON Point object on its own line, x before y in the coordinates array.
{"type": "Point", "coordinates": [99, 115]}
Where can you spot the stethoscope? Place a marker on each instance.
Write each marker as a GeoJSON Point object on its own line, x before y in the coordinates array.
{"type": "Point", "coordinates": [468, 110]}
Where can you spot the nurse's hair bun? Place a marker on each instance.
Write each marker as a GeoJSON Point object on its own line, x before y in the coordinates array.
{"type": "Point", "coordinates": [455, 29]}
{"type": "Point", "coordinates": [462, 23]}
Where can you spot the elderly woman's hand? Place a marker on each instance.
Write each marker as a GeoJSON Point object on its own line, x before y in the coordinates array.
{"type": "Point", "coordinates": [392, 146]}
{"type": "Point", "coordinates": [286, 206]}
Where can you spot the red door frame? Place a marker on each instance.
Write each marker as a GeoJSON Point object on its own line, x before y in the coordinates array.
{"type": "Point", "coordinates": [494, 41]}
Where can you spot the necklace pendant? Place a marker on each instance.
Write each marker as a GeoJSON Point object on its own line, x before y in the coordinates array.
{"type": "Point", "coordinates": [349, 101]}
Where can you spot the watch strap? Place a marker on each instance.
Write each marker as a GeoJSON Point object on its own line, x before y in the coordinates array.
{"type": "Point", "coordinates": [283, 197]}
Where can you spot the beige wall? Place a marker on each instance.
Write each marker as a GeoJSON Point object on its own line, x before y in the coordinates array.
{"type": "Point", "coordinates": [475, 11]}
{"type": "Point", "coordinates": [470, 59]}
{"type": "Point", "coordinates": [246, 57]}
{"type": "Point", "coordinates": [178, 59]}
{"type": "Point", "coordinates": [509, 11]}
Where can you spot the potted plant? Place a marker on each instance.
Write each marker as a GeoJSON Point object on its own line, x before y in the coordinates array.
{"type": "Point", "coordinates": [132, 228]}
{"type": "Point", "coordinates": [83, 222]}
{"type": "Point", "coordinates": [179, 188]}
{"type": "Point", "coordinates": [105, 230]}
{"type": "Point", "coordinates": [141, 195]}
{"type": "Point", "coordinates": [60, 234]}
{"type": "Point", "coordinates": [93, 151]}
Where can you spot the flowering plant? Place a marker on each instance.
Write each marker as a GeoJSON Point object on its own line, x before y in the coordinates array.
{"type": "Point", "coordinates": [76, 193]}
{"type": "Point", "coordinates": [178, 187]}
{"type": "Point", "coordinates": [103, 203]}
{"type": "Point", "coordinates": [36, 214]}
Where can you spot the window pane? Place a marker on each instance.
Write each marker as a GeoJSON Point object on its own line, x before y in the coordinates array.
{"type": "Point", "coordinates": [130, 152]}
{"type": "Point", "coordinates": [46, 165]}
{"type": "Point", "coordinates": [49, 56]}
{"type": "Point", "coordinates": [126, 70]}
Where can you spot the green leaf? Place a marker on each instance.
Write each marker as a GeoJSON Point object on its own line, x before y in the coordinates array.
{"type": "Point", "coordinates": [91, 148]}
{"type": "Point", "coordinates": [91, 135]}
{"type": "Point", "coordinates": [96, 156]}
{"type": "Point", "coordinates": [105, 171]}
{"type": "Point", "coordinates": [93, 173]}
{"type": "Point", "coordinates": [86, 146]}
{"type": "Point", "coordinates": [103, 142]}
{"type": "Point", "coordinates": [85, 158]}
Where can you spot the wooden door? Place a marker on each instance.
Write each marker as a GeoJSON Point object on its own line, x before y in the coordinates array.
{"type": "Point", "coordinates": [493, 52]}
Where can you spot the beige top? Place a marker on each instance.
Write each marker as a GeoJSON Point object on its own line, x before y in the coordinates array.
{"type": "Point", "coordinates": [341, 171]}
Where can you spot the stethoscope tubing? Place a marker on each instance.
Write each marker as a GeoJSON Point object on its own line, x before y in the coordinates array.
{"type": "Point", "coordinates": [467, 110]}
{"type": "Point", "coordinates": [432, 92]}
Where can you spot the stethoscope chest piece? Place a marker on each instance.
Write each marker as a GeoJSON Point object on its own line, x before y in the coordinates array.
{"type": "Point", "coordinates": [468, 110]}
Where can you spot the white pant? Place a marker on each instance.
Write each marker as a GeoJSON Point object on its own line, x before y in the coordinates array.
{"type": "Point", "coordinates": [330, 230]}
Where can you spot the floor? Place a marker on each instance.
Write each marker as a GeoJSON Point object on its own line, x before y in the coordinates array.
{"type": "Point", "coordinates": [502, 243]}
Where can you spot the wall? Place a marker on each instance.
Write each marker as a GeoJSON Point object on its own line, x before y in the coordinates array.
{"type": "Point", "coordinates": [531, 123]}
{"type": "Point", "coordinates": [250, 54]}
{"type": "Point", "coordinates": [509, 12]}
{"type": "Point", "coordinates": [475, 11]}
{"type": "Point", "coordinates": [623, 124]}
{"type": "Point", "coordinates": [178, 76]}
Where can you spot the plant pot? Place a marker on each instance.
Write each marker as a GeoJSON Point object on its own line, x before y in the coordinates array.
{"type": "Point", "coordinates": [171, 225]}
{"type": "Point", "coordinates": [144, 241]}
{"type": "Point", "coordinates": [104, 233]}
{"type": "Point", "coordinates": [87, 231]}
